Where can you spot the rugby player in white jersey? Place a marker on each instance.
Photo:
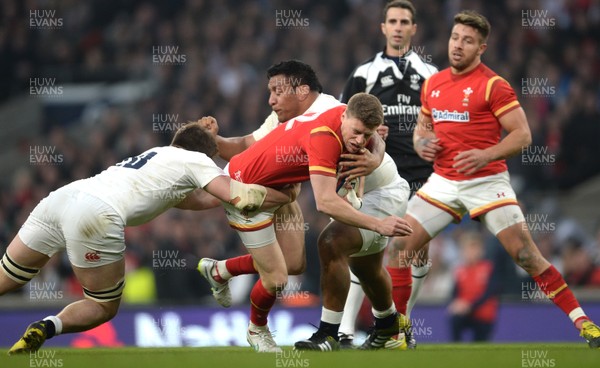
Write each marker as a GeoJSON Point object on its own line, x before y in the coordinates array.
{"type": "Point", "coordinates": [87, 219]}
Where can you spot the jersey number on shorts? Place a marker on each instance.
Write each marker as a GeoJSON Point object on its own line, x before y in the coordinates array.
{"type": "Point", "coordinates": [137, 161]}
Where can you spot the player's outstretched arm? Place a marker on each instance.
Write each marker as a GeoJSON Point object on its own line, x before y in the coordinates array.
{"type": "Point", "coordinates": [330, 203]}
{"type": "Point", "coordinates": [248, 197]}
{"type": "Point", "coordinates": [198, 200]}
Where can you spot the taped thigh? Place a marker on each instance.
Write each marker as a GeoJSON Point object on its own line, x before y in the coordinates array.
{"type": "Point", "coordinates": [16, 272]}
{"type": "Point", "coordinates": [106, 295]}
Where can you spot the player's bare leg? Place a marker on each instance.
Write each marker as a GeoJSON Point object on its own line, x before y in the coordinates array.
{"type": "Point", "coordinates": [335, 243]}
{"type": "Point", "coordinates": [288, 222]}
{"type": "Point", "coordinates": [377, 285]}
{"type": "Point", "coordinates": [102, 284]}
{"type": "Point", "coordinates": [93, 311]}
{"type": "Point", "coordinates": [517, 241]}
{"type": "Point", "coordinates": [20, 265]}
{"type": "Point", "coordinates": [290, 231]}
{"type": "Point", "coordinates": [374, 278]}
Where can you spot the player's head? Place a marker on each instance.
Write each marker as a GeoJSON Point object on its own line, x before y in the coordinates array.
{"type": "Point", "coordinates": [360, 120]}
{"type": "Point", "coordinates": [468, 40]}
{"type": "Point", "coordinates": [193, 137]}
{"type": "Point", "coordinates": [293, 86]}
{"type": "Point", "coordinates": [398, 26]}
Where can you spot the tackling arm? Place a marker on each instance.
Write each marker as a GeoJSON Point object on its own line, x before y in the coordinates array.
{"type": "Point", "coordinates": [249, 197]}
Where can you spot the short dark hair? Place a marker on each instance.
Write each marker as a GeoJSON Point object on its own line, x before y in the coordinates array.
{"type": "Point", "coordinates": [193, 137]}
{"type": "Point", "coordinates": [366, 108]}
{"type": "Point", "coordinates": [403, 4]}
{"type": "Point", "coordinates": [300, 73]}
{"type": "Point", "coordinates": [475, 20]}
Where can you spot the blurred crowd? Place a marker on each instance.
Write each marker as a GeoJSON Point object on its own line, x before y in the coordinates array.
{"type": "Point", "coordinates": [210, 58]}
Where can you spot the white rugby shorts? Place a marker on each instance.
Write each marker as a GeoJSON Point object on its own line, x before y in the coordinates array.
{"type": "Point", "coordinates": [91, 231]}
{"type": "Point", "coordinates": [490, 198]}
{"type": "Point", "coordinates": [382, 202]}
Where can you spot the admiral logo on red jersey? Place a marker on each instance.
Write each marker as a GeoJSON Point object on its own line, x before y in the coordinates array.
{"type": "Point", "coordinates": [92, 257]}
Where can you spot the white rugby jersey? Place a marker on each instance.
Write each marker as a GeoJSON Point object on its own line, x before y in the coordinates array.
{"type": "Point", "coordinates": [322, 103]}
{"type": "Point", "coordinates": [142, 187]}
{"type": "Point", "coordinates": [385, 174]}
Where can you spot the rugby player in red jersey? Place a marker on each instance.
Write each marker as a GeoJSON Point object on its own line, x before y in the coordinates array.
{"type": "Point", "coordinates": [307, 147]}
{"type": "Point", "coordinates": [464, 110]}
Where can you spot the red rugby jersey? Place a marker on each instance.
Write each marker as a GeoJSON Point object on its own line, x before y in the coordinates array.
{"type": "Point", "coordinates": [308, 144]}
{"type": "Point", "coordinates": [465, 110]}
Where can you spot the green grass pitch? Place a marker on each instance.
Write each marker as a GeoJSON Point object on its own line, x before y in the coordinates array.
{"type": "Point", "coordinates": [433, 355]}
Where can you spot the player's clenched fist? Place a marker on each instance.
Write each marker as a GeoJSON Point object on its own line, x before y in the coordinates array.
{"type": "Point", "coordinates": [394, 226]}
{"type": "Point", "coordinates": [209, 123]}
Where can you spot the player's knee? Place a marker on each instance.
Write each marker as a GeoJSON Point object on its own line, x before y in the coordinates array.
{"type": "Point", "coordinates": [297, 268]}
{"type": "Point", "coordinates": [274, 282]}
{"type": "Point", "coordinates": [109, 309]}
{"type": "Point", "coordinates": [397, 244]}
{"type": "Point", "coordinates": [526, 259]}
{"type": "Point", "coordinates": [329, 247]}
